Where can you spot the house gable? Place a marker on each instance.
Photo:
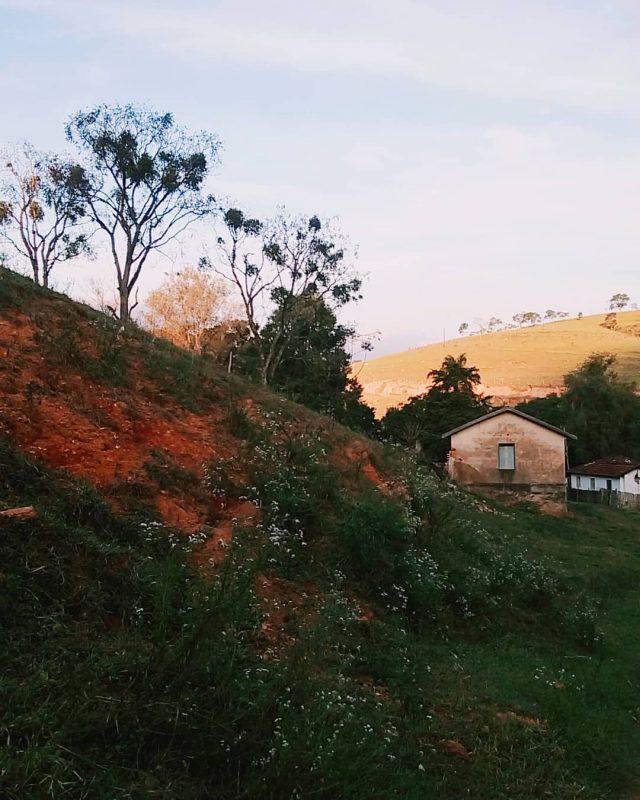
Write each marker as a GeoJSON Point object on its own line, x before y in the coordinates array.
{"type": "Point", "coordinates": [512, 411]}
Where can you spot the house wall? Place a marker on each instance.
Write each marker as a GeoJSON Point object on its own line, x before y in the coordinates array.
{"type": "Point", "coordinates": [600, 483]}
{"type": "Point", "coordinates": [540, 459]}
{"type": "Point", "coordinates": [626, 483]}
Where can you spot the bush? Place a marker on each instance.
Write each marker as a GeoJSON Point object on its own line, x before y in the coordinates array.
{"type": "Point", "coordinates": [580, 621]}
{"type": "Point", "coordinates": [374, 537]}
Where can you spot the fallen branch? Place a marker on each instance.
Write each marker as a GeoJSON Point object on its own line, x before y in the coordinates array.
{"type": "Point", "coordinates": [26, 512]}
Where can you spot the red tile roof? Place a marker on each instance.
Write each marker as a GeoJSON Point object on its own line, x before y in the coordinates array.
{"type": "Point", "coordinates": [613, 467]}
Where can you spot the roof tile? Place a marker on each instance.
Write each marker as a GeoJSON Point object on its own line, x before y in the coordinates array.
{"type": "Point", "coordinates": [613, 467]}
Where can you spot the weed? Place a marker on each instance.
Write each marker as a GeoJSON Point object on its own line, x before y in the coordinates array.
{"type": "Point", "coordinates": [168, 475]}
{"type": "Point", "coordinates": [113, 342]}
{"type": "Point", "coordinates": [581, 620]}
{"type": "Point", "coordinates": [374, 536]}
{"type": "Point", "coordinates": [192, 380]}
{"type": "Point", "coordinates": [242, 426]}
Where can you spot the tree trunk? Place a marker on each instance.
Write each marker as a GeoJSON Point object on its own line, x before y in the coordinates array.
{"type": "Point", "coordinates": [124, 303]}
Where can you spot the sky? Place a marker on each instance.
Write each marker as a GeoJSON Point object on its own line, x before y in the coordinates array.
{"type": "Point", "coordinates": [484, 156]}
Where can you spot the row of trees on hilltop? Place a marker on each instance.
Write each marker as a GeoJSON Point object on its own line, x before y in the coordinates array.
{"type": "Point", "coordinates": [617, 302]}
{"type": "Point", "coordinates": [519, 320]}
{"type": "Point", "coordinates": [263, 301]}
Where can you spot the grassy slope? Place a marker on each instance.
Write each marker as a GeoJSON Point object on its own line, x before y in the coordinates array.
{"type": "Point", "coordinates": [353, 644]}
{"type": "Point", "coordinates": [510, 362]}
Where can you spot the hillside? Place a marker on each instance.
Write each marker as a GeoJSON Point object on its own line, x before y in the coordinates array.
{"type": "Point", "coordinates": [515, 365]}
{"type": "Point", "coordinates": [221, 594]}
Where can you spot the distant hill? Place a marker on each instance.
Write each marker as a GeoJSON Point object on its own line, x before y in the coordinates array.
{"type": "Point", "coordinates": [514, 365]}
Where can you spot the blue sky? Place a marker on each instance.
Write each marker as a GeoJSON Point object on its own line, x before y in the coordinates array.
{"type": "Point", "coordinates": [485, 157]}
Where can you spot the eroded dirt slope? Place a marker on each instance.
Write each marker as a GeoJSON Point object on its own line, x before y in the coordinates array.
{"type": "Point", "coordinates": [132, 416]}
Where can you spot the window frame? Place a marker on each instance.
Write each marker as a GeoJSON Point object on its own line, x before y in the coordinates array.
{"type": "Point", "coordinates": [509, 446]}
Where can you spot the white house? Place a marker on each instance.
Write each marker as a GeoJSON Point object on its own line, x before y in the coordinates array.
{"type": "Point", "coordinates": [617, 474]}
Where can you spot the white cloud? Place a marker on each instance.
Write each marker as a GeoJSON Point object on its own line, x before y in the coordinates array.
{"type": "Point", "coordinates": [537, 51]}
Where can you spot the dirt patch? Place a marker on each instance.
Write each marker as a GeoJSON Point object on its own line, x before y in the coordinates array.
{"type": "Point", "coordinates": [178, 514]}
{"type": "Point", "coordinates": [236, 514]}
{"type": "Point", "coordinates": [285, 606]}
{"type": "Point", "coordinates": [528, 722]}
{"type": "Point", "coordinates": [453, 748]}
{"type": "Point", "coordinates": [356, 454]}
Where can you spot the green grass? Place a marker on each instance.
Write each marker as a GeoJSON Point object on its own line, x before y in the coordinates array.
{"type": "Point", "coordinates": [126, 673]}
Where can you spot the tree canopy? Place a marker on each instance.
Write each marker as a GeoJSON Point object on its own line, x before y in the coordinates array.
{"type": "Point", "coordinates": [186, 306]}
{"type": "Point", "coordinates": [602, 410]}
{"type": "Point", "coordinates": [619, 301]}
{"type": "Point", "coordinates": [451, 400]}
{"type": "Point", "coordinates": [313, 368]}
{"type": "Point", "coordinates": [273, 264]}
{"type": "Point", "coordinates": [454, 376]}
{"type": "Point", "coordinates": [142, 182]}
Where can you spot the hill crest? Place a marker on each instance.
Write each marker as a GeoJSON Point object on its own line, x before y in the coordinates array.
{"type": "Point", "coordinates": [515, 365]}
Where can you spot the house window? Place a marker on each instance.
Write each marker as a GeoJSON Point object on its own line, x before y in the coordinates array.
{"type": "Point", "coordinates": [506, 456]}
{"type": "Point", "coordinates": [578, 481]}
{"type": "Point", "coordinates": [592, 484]}
{"type": "Point", "coordinates": [609, 485]}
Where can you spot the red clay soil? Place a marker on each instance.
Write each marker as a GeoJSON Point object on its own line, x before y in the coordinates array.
{"type": "Point", "coordinates": [236, 514]}
{"type": "Point", "coordinates": [102, 434]}
{"type": "Point", "coordinates": [105, 435]}
{"type": "Point", "coordinates": [356, 452]}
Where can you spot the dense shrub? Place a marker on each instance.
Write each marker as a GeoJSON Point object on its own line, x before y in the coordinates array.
{"type": "Point", "coordinates": [374, 535]}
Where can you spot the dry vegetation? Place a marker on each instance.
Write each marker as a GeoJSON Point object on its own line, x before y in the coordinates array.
{"type": "Point", "coordinates": [514, 365]}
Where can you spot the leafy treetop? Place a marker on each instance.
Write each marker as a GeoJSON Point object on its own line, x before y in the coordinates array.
{"type": "Point", "coordinates": [142, 182]}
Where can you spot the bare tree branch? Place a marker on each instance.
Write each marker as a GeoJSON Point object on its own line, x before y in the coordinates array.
{"type": "Point", "coordinates": [41, 210]}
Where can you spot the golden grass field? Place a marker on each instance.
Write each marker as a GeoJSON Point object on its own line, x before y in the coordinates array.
{"type": "Point", "coordinates": [514, 365]}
